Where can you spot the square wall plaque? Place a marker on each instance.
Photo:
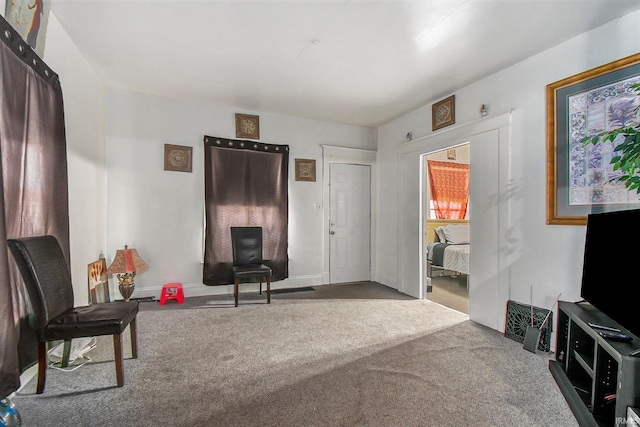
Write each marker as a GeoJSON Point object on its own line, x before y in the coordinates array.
{"type": "Point", "coordinates": [177, 158]}
{"type": "Point", "coordinates": [443, 113]}
{"type": "Point", "coordinates": [306, 170]}
{"type": "Point", "coordinates": [247, 126]}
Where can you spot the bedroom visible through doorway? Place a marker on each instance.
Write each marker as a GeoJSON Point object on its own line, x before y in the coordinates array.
{"type": "Point", "coordinates": [446, 215]}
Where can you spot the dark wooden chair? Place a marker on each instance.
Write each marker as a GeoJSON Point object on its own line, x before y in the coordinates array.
{"type": "Point", "coordinates": [47, 279]}
{"type": "Point", "coordinates": [247, 259]}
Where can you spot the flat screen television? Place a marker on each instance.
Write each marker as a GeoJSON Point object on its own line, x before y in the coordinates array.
{"type": "Point", "coordinates": [610, 278]}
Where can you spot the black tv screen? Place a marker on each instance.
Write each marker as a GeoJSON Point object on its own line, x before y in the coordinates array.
{"type": "Point", "coordinates": [609, 277]}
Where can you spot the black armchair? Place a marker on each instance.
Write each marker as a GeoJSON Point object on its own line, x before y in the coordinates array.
{"type": "Point", "coordinates": [247, 258]}
{"type": "Point", "coordinates": [48, 282]}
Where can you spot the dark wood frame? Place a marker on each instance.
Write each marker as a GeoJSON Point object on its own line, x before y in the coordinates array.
{"type": "Point", "coordinates": [558, 210]}
{"type": "Point", "coordinates": [302, 174]}
{"type": "Point", "coordinates": [446, 106]}
{"type": "Point", "coordinates": [186, 151]}
{"type": "Point", "coordinates": [243, 133]}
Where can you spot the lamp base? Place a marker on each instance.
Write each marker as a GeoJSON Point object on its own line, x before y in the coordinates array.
{"type": "Point", "coordinates": [126, 285]}
{"type": "Point", "coordinates": [126, 290]}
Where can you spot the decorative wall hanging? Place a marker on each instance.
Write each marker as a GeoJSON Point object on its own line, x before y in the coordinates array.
{"type": "Point", "coordinates": [177, 158]}
{"type": "Point", "coordinates": [451, 154]}
{"type": "Point", "coordinates": [247, 126]}
{"type": "Point", "coordinates": [579, 177]}
{"type": "Point", "coordinates": [306, 170]}
{"type": "Point", "coordinates": [443, 113]}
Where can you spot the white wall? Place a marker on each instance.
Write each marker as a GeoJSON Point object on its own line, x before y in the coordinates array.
{"type": "Point", "coordinates": [85, 117]}
{"type": "Point", "coordinates": [549, 258]}
{"type": "Point", "coordinates": [85, 102]}
{"type": "Point", "coordinates": [160, 213]}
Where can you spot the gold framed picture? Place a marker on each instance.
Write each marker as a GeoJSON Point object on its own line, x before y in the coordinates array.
{"type": "Point", "coordinates": [306, 170]}
{"type": "Point", "coordinates": [177, 158]}
{"type": "Point", "coordinates": [443, 113]}
{"type": "Point", "coordinates": [581, 179]}
{"type": "Point", "coordinates": [98, 283]}
{"type": "Point", "coordinates": [247, 126]}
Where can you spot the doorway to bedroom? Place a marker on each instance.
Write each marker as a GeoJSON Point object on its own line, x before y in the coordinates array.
{"type": "Point", "coordinates": [446, 217]}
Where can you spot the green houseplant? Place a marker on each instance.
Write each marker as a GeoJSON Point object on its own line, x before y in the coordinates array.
{"type": "Point", "coordinates": [627, 159]}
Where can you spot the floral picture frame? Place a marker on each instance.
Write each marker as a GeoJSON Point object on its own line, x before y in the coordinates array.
{"type": "Point", "coordinates": [580, 179]}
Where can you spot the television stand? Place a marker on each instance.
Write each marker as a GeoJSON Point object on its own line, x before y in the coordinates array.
{"type": "Point", "coordinates": [599, 378]}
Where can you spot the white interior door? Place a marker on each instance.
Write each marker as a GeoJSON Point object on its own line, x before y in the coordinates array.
{"type": "Point", "coordinates": [349, 223]}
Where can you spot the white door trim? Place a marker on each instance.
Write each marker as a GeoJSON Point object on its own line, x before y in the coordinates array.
{"type": "Point", "coordinates": [410, 230]}
{"type": "Point", "coordinates": [333, 154]}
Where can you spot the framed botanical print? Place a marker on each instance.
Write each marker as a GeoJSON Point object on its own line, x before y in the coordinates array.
{"type": "Point", "coordinates": [580, 178]}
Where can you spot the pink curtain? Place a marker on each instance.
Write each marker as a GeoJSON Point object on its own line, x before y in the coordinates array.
{"type": "Point", "coordinates": [449, 184]}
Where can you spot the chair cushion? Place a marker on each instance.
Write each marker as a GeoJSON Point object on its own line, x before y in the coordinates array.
{"type": "Point", "coordinates": [250, 270]}
{"type": "Point", "coordinates": [92, 320]}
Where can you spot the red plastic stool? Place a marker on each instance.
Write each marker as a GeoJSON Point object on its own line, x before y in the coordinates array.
{"type": "Point", "coordinates": [172, 291]}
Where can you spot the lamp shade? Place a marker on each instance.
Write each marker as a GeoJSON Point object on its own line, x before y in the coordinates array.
{"type": "Point", "coordinates": [127, 261]}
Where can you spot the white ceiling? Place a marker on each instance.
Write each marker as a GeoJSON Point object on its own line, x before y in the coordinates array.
{"type": "Point", "coordinates": [358, 62]}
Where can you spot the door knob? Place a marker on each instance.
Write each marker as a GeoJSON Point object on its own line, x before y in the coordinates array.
{"type": "Point", "coordinates": [332, 232]}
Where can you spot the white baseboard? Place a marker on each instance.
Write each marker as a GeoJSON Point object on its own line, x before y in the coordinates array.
{"type": "Point", "coordinates": [199, 289]}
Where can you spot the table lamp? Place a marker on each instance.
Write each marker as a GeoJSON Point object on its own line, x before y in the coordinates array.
{"type": "Point", "coordinates": [125, 264]}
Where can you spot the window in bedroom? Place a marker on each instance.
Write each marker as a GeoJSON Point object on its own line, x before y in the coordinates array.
{"type": "Point", "coordinates": [448, 189]}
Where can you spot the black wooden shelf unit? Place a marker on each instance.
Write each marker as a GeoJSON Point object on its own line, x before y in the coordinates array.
{"type": "Point", "coordinates": [598, 377]}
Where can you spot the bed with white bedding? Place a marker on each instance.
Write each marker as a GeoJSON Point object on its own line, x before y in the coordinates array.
{"type": "Point", "coordinates": [455, 259]}
{"type": "Point", "coordinates": [450, 254]}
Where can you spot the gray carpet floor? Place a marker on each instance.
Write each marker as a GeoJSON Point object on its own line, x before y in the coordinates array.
{"type": "Point", "coordinates": [340, 355]}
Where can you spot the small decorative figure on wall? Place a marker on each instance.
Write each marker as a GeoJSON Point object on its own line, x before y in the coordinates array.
{"type": "Point", "coordinates": [306, 170]}
{"type": "Point", "coordinates": [443, 113]}
{"type": "Point", "coordinates": [247, 126]}
{"type": "Point", "coordinates": [451, 154]}
{"type": "Point", "coordinates": [177, 158]}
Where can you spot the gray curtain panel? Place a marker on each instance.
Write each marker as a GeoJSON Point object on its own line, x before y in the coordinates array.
{"type": "Point", "coordinates": [246, 184]}
{"type": "Point", "coordinates": [33, 186]}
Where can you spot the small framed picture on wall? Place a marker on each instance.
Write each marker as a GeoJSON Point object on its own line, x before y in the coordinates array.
{"type": "Point", "coordinates": [177, 158]}
{"type": "Point", "coordinates": [247, 126]}
{"type": "Point", "coordinates": [306, 170]}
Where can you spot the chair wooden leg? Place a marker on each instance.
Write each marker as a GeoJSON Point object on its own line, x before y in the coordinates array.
{"type": "Point", "coordinates": [117, 350]}
{"type": "Point", "coordinates": [42, 366]}
{"type": "Point", "coordinates": [268, 289]}
{"type": "Point", "coordinates": [134, 339]}
{"type": "Point", "coordinates": [236, 284]}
